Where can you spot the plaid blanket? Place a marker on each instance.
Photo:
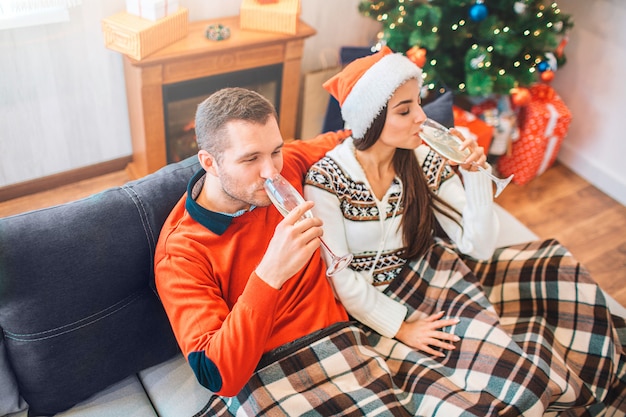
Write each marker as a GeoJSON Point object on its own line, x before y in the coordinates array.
{"type": "Point", "coordinates": [536, 339]}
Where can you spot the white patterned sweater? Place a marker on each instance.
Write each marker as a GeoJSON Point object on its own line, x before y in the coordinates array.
{"type": "Point", "coordinates": [356, 221]}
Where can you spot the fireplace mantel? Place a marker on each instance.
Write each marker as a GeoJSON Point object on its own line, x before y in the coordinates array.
{"type": "Point", "coordinates": [195, 57]}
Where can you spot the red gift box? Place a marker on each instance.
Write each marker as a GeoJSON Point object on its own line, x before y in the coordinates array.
{"type": "Point", "coordinates": [543, 125]}
{"type": "Point", "coordinates": [479, 128]}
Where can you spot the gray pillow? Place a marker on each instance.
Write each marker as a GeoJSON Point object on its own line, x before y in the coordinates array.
{"type": "Point", "coordinates": [77, 306]}
{"type": "Point", "coordinates": [440, 109]}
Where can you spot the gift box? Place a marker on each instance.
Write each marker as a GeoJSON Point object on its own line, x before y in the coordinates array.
{"type": "Point", "coordinates": [498, 113]}
{"type": "Point", "coordinates": [279, 16]}
{"type": "Point", "coordinates": [151, 9]}
{"type": "Point", "coordinates": [543, 124]}
{"type": "Point", "coordinates": [138, 37]}
{"type": "Point", "coordinates": [470, 125]}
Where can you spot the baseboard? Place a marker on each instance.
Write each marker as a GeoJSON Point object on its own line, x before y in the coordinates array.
{"type": "Point", "coordinates": [606, 181]}
{"type": "Point", "coordinates": [25, 188]}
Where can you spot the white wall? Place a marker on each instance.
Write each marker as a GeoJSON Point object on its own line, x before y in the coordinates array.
{"type": "Point", "coordinates": [62, 95]}
{"type": "Point", "coordinates": [593, 86]}
{"type": "Point", "coordinates": [63, 103]}
{"type": "Point", "coordinates": [62, 98]}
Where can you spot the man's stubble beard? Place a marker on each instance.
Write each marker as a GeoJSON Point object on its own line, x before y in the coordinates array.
{"type": "Point", "coordinates": [230, 189]}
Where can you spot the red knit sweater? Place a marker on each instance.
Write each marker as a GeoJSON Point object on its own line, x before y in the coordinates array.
{"type": "Point", "coordinates": [223, 315]}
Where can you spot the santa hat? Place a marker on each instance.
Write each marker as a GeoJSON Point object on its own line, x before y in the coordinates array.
{"type": "Point", "coordinates": [365, 85]}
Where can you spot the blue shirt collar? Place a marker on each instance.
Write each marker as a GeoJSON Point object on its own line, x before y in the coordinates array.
{"type": "Point", "coordinates": [214, 221]}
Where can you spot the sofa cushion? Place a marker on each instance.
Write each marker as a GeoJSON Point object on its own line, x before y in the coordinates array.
{"type": "Point", "coordinates": [174, 390]}
{"type": "Point", "coordinates": [440, 109]}
{"type": "Point", "coordinates": [126, 398]}
{"type": "Point", "coordinates": [77, 305]}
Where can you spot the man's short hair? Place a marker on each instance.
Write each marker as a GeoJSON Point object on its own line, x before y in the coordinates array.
{"type": "Point", "coordinates": [224, 106]}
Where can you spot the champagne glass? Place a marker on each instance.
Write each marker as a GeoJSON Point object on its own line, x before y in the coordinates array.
{"type": "Point", "coordinates": [285, 197]}
{"type": "Point", "coordinates": [439, 138]}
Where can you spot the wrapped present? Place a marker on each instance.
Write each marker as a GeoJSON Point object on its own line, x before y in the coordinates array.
{"type": "Point", "coordinates": [470, 125]}
{"type": "Point", "coordinates": [138, 37]}
{"type": "Point", "coordinates": [499, 114]}
{"type": "Point", "coordinates": [543, 124]}
{"type": "Point", "coordinates": [482, 106]}
{"type": "Point", "coordinates": [278, 16]}
{"type": "Point", "coordinates": [504, 121]}
{"type": "Point", "coordinates": [151, 9]}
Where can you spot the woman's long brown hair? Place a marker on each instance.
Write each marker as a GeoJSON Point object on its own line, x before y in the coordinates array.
{"type": "Point", "coordinates": [419, 223]}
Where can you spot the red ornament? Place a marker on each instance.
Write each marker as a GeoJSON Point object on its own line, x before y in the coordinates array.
{"type": "Point", "coordinates": [547, 76]}
{"type": "Point", "coordinates": [561, 47]}
{"type": "Point", "coordinates": [520, 96]}
{"type": "Point", "coordinates": [417, 55]}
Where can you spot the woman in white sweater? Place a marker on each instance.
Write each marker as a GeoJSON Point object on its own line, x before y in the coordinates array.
{"type": "Point", "coordinates": [531, 306]}
{"type": "Point", "coordinates": [384, 196]}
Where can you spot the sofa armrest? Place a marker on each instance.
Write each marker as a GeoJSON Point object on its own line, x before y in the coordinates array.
{"type": "Point", "coordinates": [126, 398]}
{"type": "Point", "coordinates": [512, 231]}
{"type": "Point", "coordinates": [78, 311]}
{"type": "Point", "coordinates": [174, 389]}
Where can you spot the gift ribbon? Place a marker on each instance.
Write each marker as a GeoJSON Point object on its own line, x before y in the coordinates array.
{"type": "Point", "coordinates": [552, 138]}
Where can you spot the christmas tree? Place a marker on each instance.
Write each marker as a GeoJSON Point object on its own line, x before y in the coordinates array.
{"type": "Point", "coordinates": [478, 47]}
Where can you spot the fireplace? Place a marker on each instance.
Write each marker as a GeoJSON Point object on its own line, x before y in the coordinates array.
{"type": "Point", "coordinates": [164, 88]}
{"type": "Point", "coordinates": [181, 99]}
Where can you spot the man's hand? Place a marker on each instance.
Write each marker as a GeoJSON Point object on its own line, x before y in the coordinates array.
{"type": "Point", "coordinates": [294, 242]}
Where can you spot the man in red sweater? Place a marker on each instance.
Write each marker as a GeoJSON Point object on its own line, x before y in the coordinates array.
{"type": "Point", "coordinates": [236, 278]}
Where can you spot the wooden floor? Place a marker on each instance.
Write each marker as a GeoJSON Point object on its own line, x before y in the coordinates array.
{"type": "Point", "coordinates": [559, 204]}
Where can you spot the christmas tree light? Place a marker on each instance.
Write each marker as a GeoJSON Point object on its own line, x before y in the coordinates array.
{"type": "Point", "coordinates": [477, 47]}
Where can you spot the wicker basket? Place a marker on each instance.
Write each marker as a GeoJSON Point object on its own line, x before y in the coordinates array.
{"type": "Point", "coordinates": [281, 16]}
{"type": "Point", "coordinates": [138, 37]}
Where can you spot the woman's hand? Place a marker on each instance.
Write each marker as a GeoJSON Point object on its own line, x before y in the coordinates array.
{"type": "Point", "coordinates": [477, 153]}
{"type": "Point", "coordinates": [423, 334]}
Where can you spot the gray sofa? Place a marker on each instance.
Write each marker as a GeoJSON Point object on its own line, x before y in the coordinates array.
{"type": "Point", "coordinates": [81, 321]}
